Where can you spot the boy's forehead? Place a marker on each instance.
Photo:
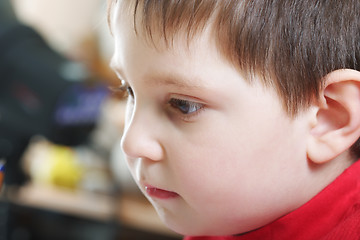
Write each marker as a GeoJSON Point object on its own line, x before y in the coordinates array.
{"type": "Point", "coordinates": [163, 64]}
{"type": "Point", "coordinates": [132, 35]}
{"type": "Point", "coordinates": [162, 31]}
{"type": "Point", "coordinates": [129, 42]}
{"type": "Point", "coordinates": [124, 29]}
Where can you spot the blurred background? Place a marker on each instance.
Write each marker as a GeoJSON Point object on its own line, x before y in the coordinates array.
{"type": "Point", "coordinates": [60, 127]}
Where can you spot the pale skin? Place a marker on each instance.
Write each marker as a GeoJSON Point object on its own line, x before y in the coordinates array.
{"type": "Point", "coordinates": [227, 150]}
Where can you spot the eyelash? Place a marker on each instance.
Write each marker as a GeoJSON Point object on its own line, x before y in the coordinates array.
{"type": "Point", "coordinates": [185, 108]}
{"type": "Point", "coordinates": [124, 90]}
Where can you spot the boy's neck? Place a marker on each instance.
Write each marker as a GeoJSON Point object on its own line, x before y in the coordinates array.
{"type": "Point", "coordinates": [326, 173]}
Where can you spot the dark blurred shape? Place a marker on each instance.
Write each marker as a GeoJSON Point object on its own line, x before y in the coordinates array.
{"type": "Point", "coordinates": [7, 12]}
{"type": "Point", "coordinates": [37, 85]}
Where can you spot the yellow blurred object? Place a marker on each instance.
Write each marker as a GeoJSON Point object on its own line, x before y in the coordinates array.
{"type": "Point", "coordinates": [51, 164]}
{"type": "Point", "coordinates": [65, 170]}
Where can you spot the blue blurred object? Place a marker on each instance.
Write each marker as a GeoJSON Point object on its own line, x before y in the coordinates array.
{"type": "Point", "coordinates": [2, 166]}
{"type": "Point", "coordinates": [80, 105]}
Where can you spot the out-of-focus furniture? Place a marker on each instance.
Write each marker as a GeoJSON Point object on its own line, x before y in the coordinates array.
{"type": "Point", "coordinates": [123, 217]}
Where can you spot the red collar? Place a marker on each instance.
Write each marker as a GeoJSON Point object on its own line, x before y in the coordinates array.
{"type": "Point", "coordinates": [334, 213]}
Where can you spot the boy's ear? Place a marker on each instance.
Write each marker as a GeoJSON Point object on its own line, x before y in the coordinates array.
{"type": "Point", "coordinates": [337, 124]}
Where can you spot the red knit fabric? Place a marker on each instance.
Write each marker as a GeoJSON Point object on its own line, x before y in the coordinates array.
{"type": "Point", "coordinates": [333, 214]}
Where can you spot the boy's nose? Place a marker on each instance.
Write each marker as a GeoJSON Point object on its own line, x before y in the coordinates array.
{"type": "Point", "coordinates": [140, 139]}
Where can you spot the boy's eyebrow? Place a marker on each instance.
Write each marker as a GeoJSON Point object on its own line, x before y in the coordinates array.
{"type": "Point", "coordinates": [172, 79]}
{"type": "Point", "coordinates": [169, 79]}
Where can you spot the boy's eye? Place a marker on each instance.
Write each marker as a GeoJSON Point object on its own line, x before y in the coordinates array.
{"type": "Point", "coordinates": [185, 106]}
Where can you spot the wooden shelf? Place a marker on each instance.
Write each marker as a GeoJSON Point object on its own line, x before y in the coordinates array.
{"type": "Point", "coordinates": [78, 203]}
{"type": "Point", "coordinates": [130, 210]}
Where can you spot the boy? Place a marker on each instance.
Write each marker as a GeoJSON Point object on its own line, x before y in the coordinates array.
{"type": "Point", "coordinates": [243, 116]}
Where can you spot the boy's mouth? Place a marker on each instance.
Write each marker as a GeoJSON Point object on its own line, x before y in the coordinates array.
{"type": "Point", "coordinates": [159, 193]}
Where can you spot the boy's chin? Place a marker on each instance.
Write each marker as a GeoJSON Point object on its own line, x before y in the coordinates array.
{"type": "Point", "coordinates": [197, 229]}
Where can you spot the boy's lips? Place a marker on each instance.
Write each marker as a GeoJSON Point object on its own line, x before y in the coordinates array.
{"type": "Point", "coordinates": [159, 193]}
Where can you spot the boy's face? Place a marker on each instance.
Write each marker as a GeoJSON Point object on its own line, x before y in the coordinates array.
{"type": "Point", "coordinates": [213, 154]}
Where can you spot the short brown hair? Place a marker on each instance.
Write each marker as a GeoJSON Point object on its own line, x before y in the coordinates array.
{"type": "Point", "coordinates": [290, 44]}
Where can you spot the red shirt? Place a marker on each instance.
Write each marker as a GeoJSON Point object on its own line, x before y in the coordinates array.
{"type": "Point", "coordinates": [334, 213]}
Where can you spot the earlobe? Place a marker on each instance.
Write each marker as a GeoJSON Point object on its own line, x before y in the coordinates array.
{"type": "Point", "coordinates": [337, 124]}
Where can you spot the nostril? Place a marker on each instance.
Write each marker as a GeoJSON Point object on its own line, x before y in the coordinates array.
{"type": "Point", "coordinates": [141, 139]}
